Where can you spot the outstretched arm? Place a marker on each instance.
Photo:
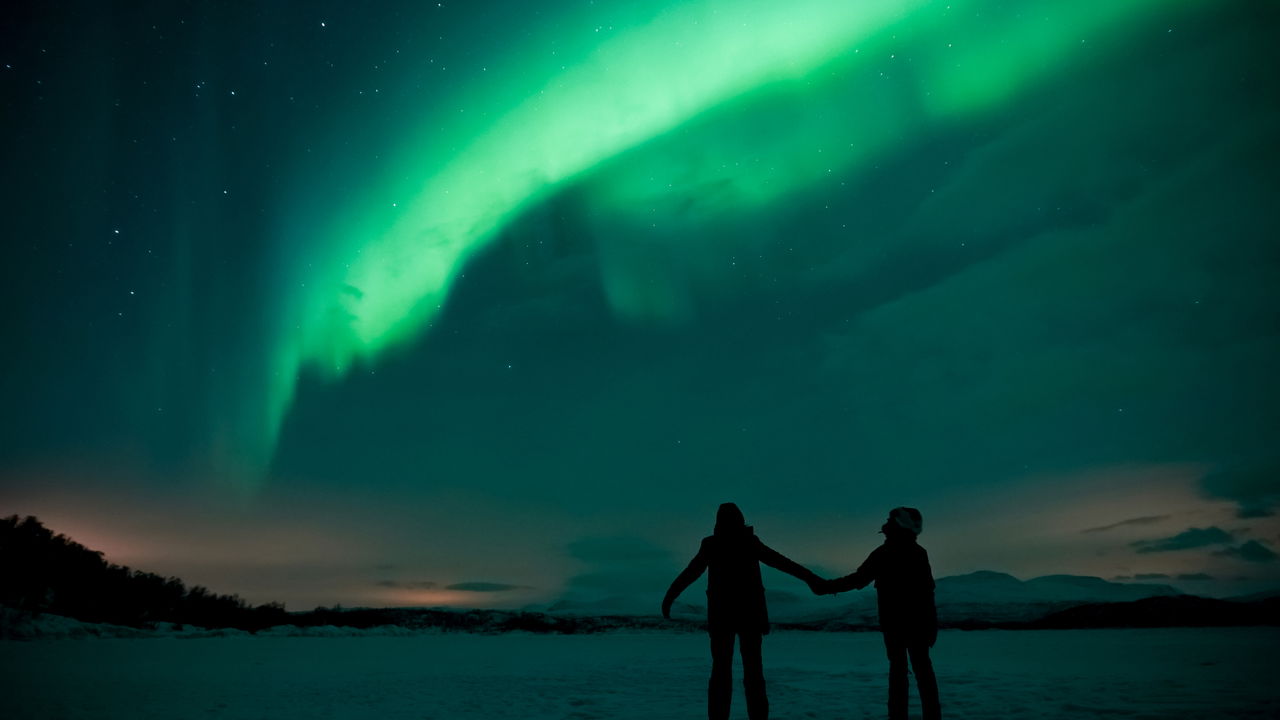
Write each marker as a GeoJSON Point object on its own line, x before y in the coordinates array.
{"type": "Point", "coordinates": [778, 561]}
{"type": "Point", "coordinates": [858, 579]}
{"type": "Point", "coordinates": [686, 577]}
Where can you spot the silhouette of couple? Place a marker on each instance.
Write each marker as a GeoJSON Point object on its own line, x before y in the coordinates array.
{"type": "Point", "coordinates": [731, 556]}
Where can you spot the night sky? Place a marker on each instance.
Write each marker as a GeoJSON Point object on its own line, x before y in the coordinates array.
{"type": "Point", "coordinates": [492, 303]}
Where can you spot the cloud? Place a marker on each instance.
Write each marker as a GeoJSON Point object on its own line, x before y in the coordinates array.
{"type": "Point", "coordinates": [621, 565]}
{"type": "Point", "coordinates": [1185, 540]}
{"type": "Point", "coordinates": [1252, 551]}
{"type": "Point", "coordinates": [1255, 488]}
{"type": "Point", "coordinates": [1151, 576]}
{"type": "Point", "coordinates": [982, 371]}
{"type": "Point", "coordinates": [1146, 520]}
{"type": "Point", "coordinates": [485, 587]}
{"type": "Point", "coordinates": [407, 584]}
{"type": "Point", "coordinates": [1195, 576]}
{"type": "Point", "coordinates": [616, 550]}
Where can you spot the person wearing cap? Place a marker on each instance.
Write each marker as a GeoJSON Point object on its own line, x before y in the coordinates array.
{"type": "Point", "coordinates": [908, 616]}
{"type": "Point", "coordinates": [731, 556]}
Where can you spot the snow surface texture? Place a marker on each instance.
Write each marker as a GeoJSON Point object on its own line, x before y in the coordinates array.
{"type": "Point", "coordinates": [1012, 675]}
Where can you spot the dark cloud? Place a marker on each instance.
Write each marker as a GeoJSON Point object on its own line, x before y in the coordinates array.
{"type": "Point", "coordinates": [407, 584]}
{"type": "Point", "coordinates": [1252, 551]}
{"type": "Point", "coordinates": [620, 566]}
{"type": "Point", "coordinates": [605, 580]}
{"type": "Point", "coordinates": [1151, 576]}
{"type": "Point", "coordinates": [992, 372]}
{"type": "Point", "coordinates": [1145, 520]}
{"type": "Point", "coordinates": [1255, 488]}
{"type": "Point", "coordinates": [485, 587]}
{"type": "Point", "coordinates": [1195, 576]}
{"type": "Point", "coordinates": [615, 550]}
{"type": "Point", "coordinates": [1185, 540]}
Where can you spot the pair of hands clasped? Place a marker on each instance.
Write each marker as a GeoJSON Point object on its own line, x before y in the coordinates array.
{"type": "Point", "coordinates": [820, 586]}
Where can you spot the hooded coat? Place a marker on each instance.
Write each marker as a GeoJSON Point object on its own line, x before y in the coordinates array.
{"type": "Point", "coordinates": [904, 588]}
{"type": "Point", "coordinates": [731, 558]}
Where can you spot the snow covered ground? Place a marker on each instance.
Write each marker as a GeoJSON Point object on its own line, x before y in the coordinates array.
{"type": "Point", "coordinates": [1156, 674]}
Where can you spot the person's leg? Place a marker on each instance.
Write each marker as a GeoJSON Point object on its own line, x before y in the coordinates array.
{"type": "Point", "coordinates": [897, 651]}
{"type": "Point", "coordinates": [753, 676]}
{"type": "Point", "coordinates": [926, 682]}
{"type": "Point", "coordinates": [720, 689]}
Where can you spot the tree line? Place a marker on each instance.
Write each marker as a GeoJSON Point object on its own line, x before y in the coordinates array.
{"type": "Point", "coordinates": [48, 573]}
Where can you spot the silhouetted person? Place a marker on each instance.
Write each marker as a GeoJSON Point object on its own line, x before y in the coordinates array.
{"type": "Point", "coordinates": [908, 617]}
{"type": "Point", "coordinates": [735, 607]}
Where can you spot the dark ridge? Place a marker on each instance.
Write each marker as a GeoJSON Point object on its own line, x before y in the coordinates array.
{"type": "Point", "coordinates": [47, 573]}
{"type": "Point", "coordinates": [484, 621]}
{"type": "Point", "coordinates": [1173, 611]}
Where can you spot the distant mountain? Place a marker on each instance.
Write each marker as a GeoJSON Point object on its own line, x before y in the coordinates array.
{"type": "Point", "coordinates": [973, 600]}
{"type": "Point", "coordinates": [619, 605]}
{"type": "Point", "coordinates": [986, 597]}
{"type": "Point", "coordinates": [1169, 611]}
{"type": "Point", "coordinates": [994, 587]}
{"type": "Point", "coordinates": [50, 574]}
{"type": "Point", "coordinates": [997, 597]}
{"type": "Point", "coordinates": [781, 603]}
{"type": "Point", "coordinates": [322, 622]}
{"type": "Point", "coordinates": [1255, 597]}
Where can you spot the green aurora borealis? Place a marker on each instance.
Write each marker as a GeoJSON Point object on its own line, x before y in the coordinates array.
{"type": "Point", "coordinates": [581, 271]}
{"type": "Point", "coordinates": [384, 269]}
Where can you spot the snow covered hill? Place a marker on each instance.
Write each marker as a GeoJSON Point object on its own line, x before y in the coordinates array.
{"type": "Point", "coordinates": [997, 597]}
{"type": "Point", "coordinates": [976, 598]}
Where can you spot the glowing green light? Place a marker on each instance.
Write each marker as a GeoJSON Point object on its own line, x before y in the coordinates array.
{"type": "Point", "coordinates": [858, 77]}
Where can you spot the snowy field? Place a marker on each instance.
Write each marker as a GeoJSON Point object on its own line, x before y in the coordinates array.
{"type": "Point", "coordinates": [1170, 673]}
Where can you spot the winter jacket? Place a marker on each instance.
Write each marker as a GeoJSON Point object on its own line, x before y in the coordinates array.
{"type": "Point", "coordinates": [904, 589]}
{"type": "Point", "coordinates": [735, 592]}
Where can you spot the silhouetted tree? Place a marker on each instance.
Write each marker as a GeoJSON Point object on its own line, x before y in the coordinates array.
{"type": "Point", "coordinates": [44, 572]}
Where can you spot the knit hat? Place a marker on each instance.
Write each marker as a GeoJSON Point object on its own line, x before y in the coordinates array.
{"type": "Point", "coordinates": [907, 518]}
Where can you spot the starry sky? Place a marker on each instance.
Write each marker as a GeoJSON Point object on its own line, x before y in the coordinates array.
{"type": "Point", "coordinates": [492, 303]}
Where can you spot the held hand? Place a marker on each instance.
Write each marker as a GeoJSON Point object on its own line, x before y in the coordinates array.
{"type": "Point", "coordinates": [820, 586]}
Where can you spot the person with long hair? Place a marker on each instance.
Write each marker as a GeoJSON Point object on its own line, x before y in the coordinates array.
{"type": "Point", "coordinates": [736, 610]}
